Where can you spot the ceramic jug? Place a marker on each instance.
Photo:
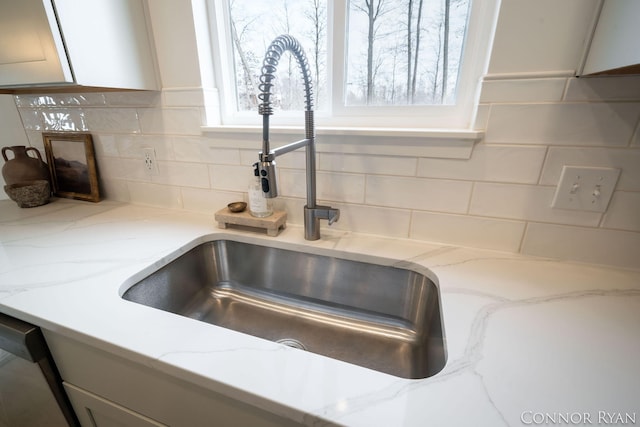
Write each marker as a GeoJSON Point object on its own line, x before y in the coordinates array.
{"type": "Point", "coordinates": [23, 167]}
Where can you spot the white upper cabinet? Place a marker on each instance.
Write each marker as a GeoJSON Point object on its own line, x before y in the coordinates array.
{"type": "Point", "coordinates": [541, 37]}
{"type": "Point", "coordinates": [615, 47]}
{"type": "Point", "coordinates": [30, 52]}
{"type": "Point", "coordinates": [75, 45]}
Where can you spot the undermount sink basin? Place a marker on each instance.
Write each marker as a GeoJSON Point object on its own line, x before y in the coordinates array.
{"type": "Point", "coordinates": [381, 317]}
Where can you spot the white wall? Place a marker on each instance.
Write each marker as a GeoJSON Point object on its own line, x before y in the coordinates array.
{"type": "Point", "coordinates": [536, 116]}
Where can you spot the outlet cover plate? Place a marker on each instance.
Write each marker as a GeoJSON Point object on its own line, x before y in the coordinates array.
{"type": "Point", "coordinates": [585, 188]}
{"type": "Point", "coordinates": [150, 162]}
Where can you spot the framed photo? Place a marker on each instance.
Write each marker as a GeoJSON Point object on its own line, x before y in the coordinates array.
{"type": "Point", "coordinates": [72, 165]}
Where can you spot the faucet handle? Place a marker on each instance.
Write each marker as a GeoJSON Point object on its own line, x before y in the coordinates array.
{"type": "Point", "coordinates": [333, 215]}
{"type": "Point", "coordinates": [326, 212]}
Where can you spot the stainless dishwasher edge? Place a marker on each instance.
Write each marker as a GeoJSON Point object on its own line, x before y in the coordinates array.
{"type": "Point", "coordinates": [28, 374]}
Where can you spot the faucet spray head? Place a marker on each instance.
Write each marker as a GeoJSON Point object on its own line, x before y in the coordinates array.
{"type": "Point", "coordinates": [266, 170]}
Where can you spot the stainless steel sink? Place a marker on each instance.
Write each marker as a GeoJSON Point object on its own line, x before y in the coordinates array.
{"type": "Point", "coordinates": [380, 317]}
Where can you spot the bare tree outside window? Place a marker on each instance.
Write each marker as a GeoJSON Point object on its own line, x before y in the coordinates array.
{"type": "Point", "coordinates": [254, 25]}
{"type": "Point", "coordinates": [431, 35]}
{"type": "Point", "coordinates": [317, 16]}
{"type": "Point", "coordinates": [399, 52]}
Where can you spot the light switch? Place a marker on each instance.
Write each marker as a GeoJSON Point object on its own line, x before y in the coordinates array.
{"type": "Point", "coordinates": [585, 188]}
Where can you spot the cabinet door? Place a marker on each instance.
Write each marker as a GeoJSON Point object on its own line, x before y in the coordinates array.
{"type": "Point", "coordinates": [615, 48]}
{"type": "Point", "coordinates": [108, 43]}
{"type": "Point", "coordinates": [31, 48]}
{"type": "Point", "coordinates": [94, 411]}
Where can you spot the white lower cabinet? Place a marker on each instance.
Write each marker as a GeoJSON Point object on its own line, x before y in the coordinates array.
{"type": "Point", "coordinates": [94, 411]}
{"type": "Point", "coordinates": [107, 390]}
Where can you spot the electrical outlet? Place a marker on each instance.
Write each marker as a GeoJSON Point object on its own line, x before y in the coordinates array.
{"type": "Point", "coordinates": [150, 163]}
{"type": "Point", "coordinates": [585, 188]}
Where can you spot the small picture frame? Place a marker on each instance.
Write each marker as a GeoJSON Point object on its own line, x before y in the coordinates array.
{"type": "Point", "coordinates": [72, 165]}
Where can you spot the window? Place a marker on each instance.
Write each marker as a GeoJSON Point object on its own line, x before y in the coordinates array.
{"type": "Point", "coordinates": [404, 52]}
{"type": "Point", "coordinates": [374, 63]}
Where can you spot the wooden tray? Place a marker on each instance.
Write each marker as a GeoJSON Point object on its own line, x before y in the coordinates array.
{"type": "Point", "coordinates": [273, 224]}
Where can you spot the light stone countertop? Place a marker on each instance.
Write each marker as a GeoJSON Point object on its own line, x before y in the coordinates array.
{"type": "Point", "coordinates": [526, 337]}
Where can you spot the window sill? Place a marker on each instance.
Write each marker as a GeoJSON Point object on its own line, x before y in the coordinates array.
{"type": "Point", "coordinates": [440, 143]}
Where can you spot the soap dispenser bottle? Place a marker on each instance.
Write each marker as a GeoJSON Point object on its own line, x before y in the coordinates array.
{"type": "Point", "coordinates": [259, 206]}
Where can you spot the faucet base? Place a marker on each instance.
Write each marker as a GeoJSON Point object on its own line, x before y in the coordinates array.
{"type": "Point", "coordinates": [312, 217]}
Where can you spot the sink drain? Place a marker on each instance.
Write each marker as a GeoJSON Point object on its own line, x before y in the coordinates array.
{"type": "Point", "coordinates": [290, 342]}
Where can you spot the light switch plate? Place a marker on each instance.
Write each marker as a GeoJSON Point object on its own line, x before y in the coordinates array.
{"type": "Point", "coordinates": [585, 188]}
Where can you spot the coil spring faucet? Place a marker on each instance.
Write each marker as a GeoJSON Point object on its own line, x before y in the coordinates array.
{"type": "Point", "coordinates": [313, 213]}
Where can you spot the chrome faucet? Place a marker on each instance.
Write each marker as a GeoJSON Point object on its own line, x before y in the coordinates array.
{"type": "Point", "coordinates": [313, 213]}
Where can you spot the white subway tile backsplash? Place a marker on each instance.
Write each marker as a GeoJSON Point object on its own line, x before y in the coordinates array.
{"type": "Point", "coordinates": [111, 167]}
{"type": "Point", "coordinates": [341, 187]}
{"type": "Point", "coordinates": [155, 195]}
{"type": "Point", "coordinates": [31, 119]}
{"type": "Point", "coordinates": [525, 202]}
{"type": "Point", "coordinates": [418, 193]}
{"type": "Point", "coordinates": [171, 121]}
{"type": "Point", "coordinates": [222, 156]}
{"type": "Point", "coordinates": [373, 220]}
{"type": "Point", "coordinates": [293, 207]}
{"type": "Point", "coordinates": [591, 245]}
{"type": "Point", "coordinates": [604, 124]}
{"type": "Point", "coordinates": [291, 183]}
{"type": "Point", "coordinates": [393, 145]}
{"type": "Point", "coordinates": [195, 149]}
{"type": "Point", "coordinates": [61, 100]}
{"type": "Point", "coordinates": [130, 99]}
{"type": "Point", "coordinates": [35, 139]}
{"type": "Point", "coordinates": [104, 145]}
{"type": "Point", "coordinates": [72, 120]}
{"type": "Point", "coordinates": [231, 177]}
{"type": "Point", "coordinates": [182, 174]}
{"type": "Point", "coordinates": [379, 165]}
{"type": "Point", "coordinates": [495, 194]}
{"type": "Point", "coordinates": [623, 212]}
{"type": "Point", "coordinates": [207, 200]}
{"type": "Point", "coordinates": [329, 186]}
{"type": "Point", "coordinates": [249, 157]}
{"type": "Point", "coordinates": [523, 90]}
{"type": "Point", "coordinates": [521, 164]}
{"type": "Point", "coordinates": [621, 88]}
{"type": "Point", "coordinates": [626, 159]}
{"type": "Point", "coordinates": [184, 98]}
{"type": "Point", "coordinates": [133, 169]}
{"type": "Point", "coordinates": [132, 145]}
{"type": "Point", "coordinates": [466, 230]}
{"type": "Point", "coordinates": [293, 160]}
{"type": "Point", "coordinates": [82, 99]}
{"type": "Point", "coordinates": [114, 189]}
{"type": "Point", "coordinates": [23, 101]}
{"type": "Point", "coordinates": [114, 120]}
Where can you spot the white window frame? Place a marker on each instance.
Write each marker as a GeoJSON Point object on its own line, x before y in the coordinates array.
{"type": "Point", "coordinates": [459, 117]}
